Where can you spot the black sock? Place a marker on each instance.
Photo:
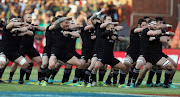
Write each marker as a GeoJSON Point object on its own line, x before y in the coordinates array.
{"type": "Point", "coordinates": [28, 73]}
{"type": "Point", "coordinates": [135, 75]}
{"type": "Point", "coordinates": [41, 74]}
{"type": "Point", "coordinates": [108, 81]}
{"type": "Point", "coordinates": [101, 74]}
{"type": "Point", "coordinates": [54, 72]}
{"type": "Point", "coordinates": [150, 76]}
{"type": "Point", "coordinates": [122, 77]}
{"type": "Point", "coordinates": [11, 75]}
{"type": "Point", "coordinates": [139, 81]}
{"type": "Point", "coordinates": [1, 72]}
{"type": "Point", "coordinates": [130, 74]}
{"type": "Point", "coordinates": [170, 80]}
{"type": "Point", "coordinates": [115, 75]}
{"type": "Point", "coordinates": [77, 75]}
{"type": "Point", "coordinates": [67, 73]}
{"type": "Point", "coordinates": [167, 76]}
{"type": "Point", "coordinates": [28, 70]}
{"type": "Point", "coordinates": [158, 74]}
{"type": "Point", "coordinates": [82, 74]}
{"type": "Point", "coordinates": [48, 73]}
{"type": "Point", "coordinates": [86, 77]}
{"type": "Point", "coordinates": [93, 75]}
{"type": "Point", "coordinates": [22, 73]}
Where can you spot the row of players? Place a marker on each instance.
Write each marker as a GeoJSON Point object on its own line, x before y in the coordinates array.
{"type": "Point", "coordinates": [98, 37]}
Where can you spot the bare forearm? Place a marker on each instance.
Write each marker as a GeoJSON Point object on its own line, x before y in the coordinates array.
{"type": "Point", "coordinates": [75, 26]}
{"type": "Point", "coordinates": [120, 38]}
{"type": "Point", "coordinates": [163, 39]}
{"type": "Point", "coordinates": [57, 22]}
{"type": "Point", "coordinates": [75, 34]}
{"type": "Point", "coordinates": [88, 27]}
{"type": "Point", "coordinates": [154, 33]}
{"type": "Point", "coordinates": [105, 24]}
{"type": "Point", "coordinates": [118, 28]}
{"type": "Point", "coordinates": [12, 25]}
{"type": "Point", "coordinates": [137, 30]}
{"type": "Point", "coordinates": [39, 28]}
{"type": "Point", "coordinates": [30, 33]}
{"type": "Point", "coordinates": [21, 29]}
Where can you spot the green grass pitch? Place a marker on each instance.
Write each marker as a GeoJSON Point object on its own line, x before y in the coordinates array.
{"type": "Point", "coordinates": [59, 88]}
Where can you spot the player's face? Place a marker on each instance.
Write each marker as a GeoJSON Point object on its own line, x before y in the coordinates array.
{"type": "Point", "coordinates": [65, 24]}
{"type": "Point", "coordinates": [71, 24]}
{"type": "Point", "coordinates": [28, 18]}
{"type": "Point", "coordinates": [154, 26]}
{"type": "Point", "coordinates": [147, 19]}
{"type": "Point", "coordinates": [108, 19]}
{"type": "Point", "coordinates": [159, 23]}
{"type": "Point", "coordinates": [89, 22]}
{"type": "Point", "coordinates": [143, 25]}
{"type": "Point", "coordinates": [19, 19]}
{"type": "Point", "coordinates": [111, 27]}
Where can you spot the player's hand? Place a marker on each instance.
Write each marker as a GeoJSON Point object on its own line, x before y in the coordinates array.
{"type": "Point", "coordinates": [13, 30]}
{"type": "Point", "coordinates": [68, 18]}
{"type": "Point", "coordinates": [115, 23]}
{"type": "Point", "coordinates": [102, 10]}
{"type": "Point", "coordinates": [93, 37]}
{"type": "Point", "coordinates": [152, 38]}
{"type": "Point", "coordinates": [65, 33]}
{"type": "Point", "coordinates": [120, 38]}
{"type": "Point", "coordinates": [169, 26]}
{"type": "Point", "coordinates": [113, 37]}
{"type": "Point", "coordinates": [80, 26]}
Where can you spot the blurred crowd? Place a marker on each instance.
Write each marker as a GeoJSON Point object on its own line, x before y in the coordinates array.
{"type": "Point", "coordinates": [43, 11]}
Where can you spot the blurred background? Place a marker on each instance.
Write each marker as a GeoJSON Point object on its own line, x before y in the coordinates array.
{"type": "Point", "coordinates": [126, 12]}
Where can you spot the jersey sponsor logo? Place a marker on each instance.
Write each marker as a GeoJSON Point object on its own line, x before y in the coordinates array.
{"type": "Point", "coordinates": [111, 41]}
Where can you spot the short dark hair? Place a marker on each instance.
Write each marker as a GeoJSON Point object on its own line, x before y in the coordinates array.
{"type": "Point", "coordinates": [12, 16]}
{"type": "Point", "coordinates": [59, 16]}
{"type": "Point", "coordinates": [158, 19]}
{"type": "Point", "coordinates": [140, 21]}
{"type": "Point", "coordinates": [145, 17]}
{"type": "Point", "coordinates": [88, 17]}
{"type": "Point", "coordinates": [151, 20]}
{"type": "Point", "coordinates": [106, 17]}
{"type": "Point", "coordinates": [18, 16]}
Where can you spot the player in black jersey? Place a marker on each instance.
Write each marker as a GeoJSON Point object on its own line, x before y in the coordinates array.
{"type": "Point", "coordinates": [49, 34]}
{"type": "Point", "coordinates": [133, 51]}
{"type": "Point", "coordinates": [96, 23]}
{"type": "Point", "coordinates": [98, 49]}
{"type": "Point", "coordinates": [3, 61]}
{"type": "Point", "coordinates": [13, 67]}
{"type": "Point", "coordinates": [148, 65]}
{"type": "Point", "coordinates": [58, 50]}
{"type": "Point", "coordinates": [158, 70]}
{"type": "Point", "coordinates": [12, 34]}
{"type": "Point", "coordinates": [70, 47]}
{"type": "Point", "coordinates": [150, 53]}
{"type": "Point", "coordinates": [26, 48]}
{"type": "Point", "coordinates": [108, 39]}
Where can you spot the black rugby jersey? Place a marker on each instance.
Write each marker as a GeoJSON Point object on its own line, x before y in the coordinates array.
{"type": "Point", "coordinates": [87, 42]}
{"type": "Point", "coordinates": [134, 46]}
{"type": "Point", "coordinates": [11, 40]}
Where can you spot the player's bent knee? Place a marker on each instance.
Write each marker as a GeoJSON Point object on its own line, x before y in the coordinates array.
{"type": "Point", "coordinates": [167, 64]}
{"type": "Point", "coordinates": [127, 61]}
{"type": "Point", "coordinates": [23, 61]}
